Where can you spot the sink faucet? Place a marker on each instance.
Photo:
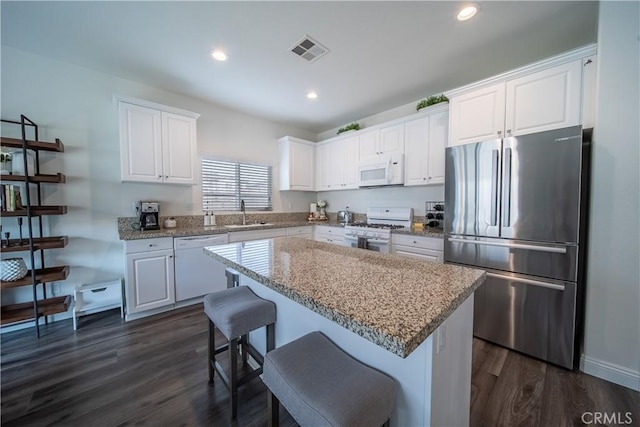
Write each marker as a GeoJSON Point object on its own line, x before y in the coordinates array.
{"type": "Point", "coordinates": [244, 212]}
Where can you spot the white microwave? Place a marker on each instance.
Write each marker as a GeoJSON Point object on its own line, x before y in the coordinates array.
{"type": "Point", "coordinates": [376, 171]}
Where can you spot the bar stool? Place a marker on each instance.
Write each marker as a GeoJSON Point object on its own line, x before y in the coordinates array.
{"type": "Point", "coordinates": [236, 312]}
{"type": "Point", "coordinates": [321, 385]}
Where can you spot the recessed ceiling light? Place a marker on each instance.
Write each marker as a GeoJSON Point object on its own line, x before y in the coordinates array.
{"type": "Point", "coordinates": [468, 11]}
{"type": "Point", "coordinates": [312, 95]}
{"type": "Point", "coordinates": [218, 55]}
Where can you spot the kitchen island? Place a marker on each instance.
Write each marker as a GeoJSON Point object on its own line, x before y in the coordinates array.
{"type": "Point", "coordinates": [408, 318]}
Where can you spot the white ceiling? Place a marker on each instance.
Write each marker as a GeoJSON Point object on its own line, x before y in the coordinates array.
{"type": "Point", "coordinates": [382, 54]}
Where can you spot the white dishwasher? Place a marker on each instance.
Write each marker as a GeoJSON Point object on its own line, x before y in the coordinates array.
{"type": "Point", "coordinates": [198, 274]}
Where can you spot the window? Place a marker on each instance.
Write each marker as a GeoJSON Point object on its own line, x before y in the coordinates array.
{"type": "Point", "coordinates": [225, 184]}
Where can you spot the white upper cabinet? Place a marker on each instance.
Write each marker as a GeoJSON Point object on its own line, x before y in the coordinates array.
{"type": "Point", "coordinates": [344, 163]}
{"type": "Point", "coordinates": [535, 102]}
{"type": "Point", "coordinates": [425, 142]}
{"type": "Point", "coordinates": [179, 149]}
{"type": "Point", "coordinates": [297, 164]}
{"type": "Point", "coordinates": [337, 164]}
{"type": "Point", "coordinates": [323, 167]}
{"type": "Point", "coordinates": [157, 146]}
{"type": "Point", "coordinates": [478, 115]}
{"type": "Point", "coordinates": [369, 143]}
{"type": "Point", "coordinates": [380, 141]}
{"type": "Point", "coordinates": [545, 100]}
{"type": "Point", "coordinates": [392, 139]}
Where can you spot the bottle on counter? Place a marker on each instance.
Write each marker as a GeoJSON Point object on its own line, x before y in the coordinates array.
{"type": "Point", "coordinates": [207, 219]}
{"type": "Point", "coordinates": [212, 218]}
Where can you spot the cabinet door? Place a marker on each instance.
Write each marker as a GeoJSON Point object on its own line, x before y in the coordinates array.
{"type": "Point", "coordinates": [477, 116]}
{"type": "Point", "coordinates": [179, 148]}
{"type": "Point", "coordinates": [350, 162]}
{"type": "Point", "coordinates": [438, 137]}
{"type": "Point", "coordinates": [336, 162]}
{"type": "Point", "coordinates": [369, 143]}
{"type": "Point", "coordinates": [140, 143]}
{"type": "Point", "coordinates": [546, 100]}
{"type": "Point", "coordinates": [323, 165]}
{"type": "Point", "coordinates": [416, 137]}
{"type": "Point", "coordinates": [301, 168]}
{"type": "Point", "coordinates": [392, 139]}
{"type": "Point", "coordinates": [150, 280]}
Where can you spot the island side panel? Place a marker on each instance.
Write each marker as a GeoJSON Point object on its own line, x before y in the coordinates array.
{"type": "Point", "coordinates": [413, 373]}
{"type": "Point", "coordinates": [452, 351]}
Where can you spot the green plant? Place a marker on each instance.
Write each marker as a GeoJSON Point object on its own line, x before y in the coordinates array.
{"type": "Point", "coordinates": [352, 126]}
{"type": "Point", "coordinates": [436, 99]}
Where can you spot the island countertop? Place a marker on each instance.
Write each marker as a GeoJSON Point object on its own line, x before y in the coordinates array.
{"type": "Point", "coordinates": [391, 301]}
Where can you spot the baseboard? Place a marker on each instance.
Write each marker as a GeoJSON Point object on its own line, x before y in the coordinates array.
{"type": "Point", "coordinates": [610, 372]}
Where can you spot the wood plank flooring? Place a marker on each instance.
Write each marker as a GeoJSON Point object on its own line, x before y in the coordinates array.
{"type": "Point", "coordinates": [153, 371]}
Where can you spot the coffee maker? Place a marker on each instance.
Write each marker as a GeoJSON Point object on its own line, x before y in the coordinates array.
{"type": "Point", "coordinates": [149, 215]}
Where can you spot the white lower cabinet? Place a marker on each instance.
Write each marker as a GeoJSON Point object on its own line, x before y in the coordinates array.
{"type": "Point", "coordinates": [425, 248]}
{"type": "Point", "coordinates": [149, 274]}
{"type": "Point", "coordinates": [327, 234]}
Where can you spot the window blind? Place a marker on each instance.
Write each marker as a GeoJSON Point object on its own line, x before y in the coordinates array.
{"type": "Point", "coordinates": [225, 184]}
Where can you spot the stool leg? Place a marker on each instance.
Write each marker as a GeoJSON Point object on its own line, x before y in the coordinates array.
{"type": "Point", "coordinates": [233, 376]}
{"type": "Point", "coordinates": [245, 345]}
{"type": "Point", "coordinates": [271, 337]}
{"type": "Point", "coordinates": [212, 350]}
{"type": "Point", "coordinates": [386, 423]}
{"type": "Point", "coordinates": [273, 406]}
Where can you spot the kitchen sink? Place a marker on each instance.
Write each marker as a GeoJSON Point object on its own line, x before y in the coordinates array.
{"type": "Point", "coordinates": [248, 225]}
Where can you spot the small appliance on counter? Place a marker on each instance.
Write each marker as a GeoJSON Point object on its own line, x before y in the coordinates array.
{"type": "Point", "coordinates": [345, 217]}
{"type": "Point", "coordinates": [434, 215]}
{"type": "Point", "coordinates": [149, 215]}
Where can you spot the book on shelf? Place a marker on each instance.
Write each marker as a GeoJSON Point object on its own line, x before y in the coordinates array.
{"type": "Point", "coordinates": [11, 198]}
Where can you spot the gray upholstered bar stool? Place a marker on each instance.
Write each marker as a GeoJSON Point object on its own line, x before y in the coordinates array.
{"type": "Point", "coordinates": [236, 312]}
{"type": "Point", "coordinates": [321, 385]}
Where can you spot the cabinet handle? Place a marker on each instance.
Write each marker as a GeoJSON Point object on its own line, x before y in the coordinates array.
{"type": "Point", "coordinates": [499, 132]}
{"type": "Point", "coordinates": [166, 176]}
{"type": "Point", "coordinates": [509, 131]}
{"type": "Point", "coordinates": [424, 179]}
{"type": "Point", "coordinates": [152, 245]}
{"type": "Point", "coordinates": [429, 178]}
{"type": "Point", "coordinates": [170, 256]}
{"type": "Point", "coordinates": [159, 176]}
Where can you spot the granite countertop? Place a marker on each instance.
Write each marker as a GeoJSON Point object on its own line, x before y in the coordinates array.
{"type": "Point", "coordinates": [391, 301]}
{"type": "Point", "coordinates": [200, 230]}
{"type": "Point", "coordinates": [131, 234]}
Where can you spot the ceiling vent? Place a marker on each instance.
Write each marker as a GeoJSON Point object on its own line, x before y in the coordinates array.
{"type": "Point", "coordinates": [309, 49]}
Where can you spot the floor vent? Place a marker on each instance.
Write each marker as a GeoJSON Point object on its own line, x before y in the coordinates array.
{"type": "Point", "coordinates": [309, 49]}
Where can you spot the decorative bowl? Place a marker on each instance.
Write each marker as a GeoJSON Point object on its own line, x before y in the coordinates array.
{"type": "Point", "coordinates": [12, 269]}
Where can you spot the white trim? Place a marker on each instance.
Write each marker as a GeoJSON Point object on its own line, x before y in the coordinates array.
{"type": "Point", "coordinates": [155, 106]}
{"type": "Point", "coordinates": [554, 61]}
{"type": "Point", "coordinates": [610, 372]}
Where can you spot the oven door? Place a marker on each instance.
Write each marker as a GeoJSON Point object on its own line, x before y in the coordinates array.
{"type": "Point", "coordinates": [377, 245]}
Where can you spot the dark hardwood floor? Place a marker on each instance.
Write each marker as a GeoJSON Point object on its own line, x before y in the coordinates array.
{"type": "Point", "coordinates": [153, 371]}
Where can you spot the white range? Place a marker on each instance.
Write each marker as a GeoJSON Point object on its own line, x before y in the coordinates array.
{"type": "Point", "coordinates": [375, 234]}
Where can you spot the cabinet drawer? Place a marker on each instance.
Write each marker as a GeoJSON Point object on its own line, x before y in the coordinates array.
{"type": "Point", "coordinates": [297, 231]}
{"type": "Point", "coordinates": [243, 236]}
{"type": "Point", "coordinates": [328, 238]}
{"type": "Point", "coordinates": [418, 253]}
{"type": "Point", "coordinates": [332, 231]}
{"type": "Point", "coordinates": [417, 241]}
{"type": "Point", "coordinates": [147, 245]}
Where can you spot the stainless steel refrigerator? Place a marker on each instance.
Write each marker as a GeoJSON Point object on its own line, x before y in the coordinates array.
{"type": "Point", "coordinates": [517, 208]}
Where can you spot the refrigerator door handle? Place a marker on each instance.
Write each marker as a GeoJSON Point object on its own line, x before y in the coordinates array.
{"type": "Point", "coordinates": [528, 281]}
{"type": "Point", "coordinates": [554, 249]}
{"type": "Point", "coordinates": [506, 196]}
{"type": "Point", "coordinates": [494, 186]}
